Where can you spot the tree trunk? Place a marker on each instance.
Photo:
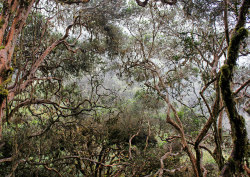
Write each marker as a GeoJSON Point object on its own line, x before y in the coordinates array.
{"type": "Point", "coordinates": [13, 16]}
{"type": "Point", "coordinates": [235, 163]}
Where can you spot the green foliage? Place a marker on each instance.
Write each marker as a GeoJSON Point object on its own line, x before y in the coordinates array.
{"type": "Point", "coordinates": [176, 57]}
{"type": "Point", "coordinates": [148, 99]}
{"type": "Point", "coordinates": [191, 121]}
{"type": "Point", "coordinates": [69, 122]}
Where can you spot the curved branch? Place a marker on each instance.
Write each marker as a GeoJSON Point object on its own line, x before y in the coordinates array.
{"type": "Point", "coordinates": [44, 101]}
{"type": "Point", "coordinates": [143, 4]}
{"type": "Point", "coordinates": [242, 87]}
{"type": "Point", "coordinates": [173, 2]}
{"type": "Point", "coordinates": [73, 1]}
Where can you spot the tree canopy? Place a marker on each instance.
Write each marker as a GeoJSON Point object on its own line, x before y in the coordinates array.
{"type": "Point", "coordinates": [124, 88]}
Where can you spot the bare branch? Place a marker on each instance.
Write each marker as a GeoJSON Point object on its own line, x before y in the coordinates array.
{"type": "Point", "coordinates": [162, 161]}
{"type": "Point", "coordinates": [242, 87]}
{"type": "Point", "coordinates": [201, 93]}
{"type": "Point", "coordinates": [9, 159]}
{"type": "Point", "coordinates": [52, 169]}
{"type": "Point", "coordinates": [130, 143]}
{"type": "Point", "coordinates": [226, 22]}
{"type": "Point", "coordinates": [149, 133]}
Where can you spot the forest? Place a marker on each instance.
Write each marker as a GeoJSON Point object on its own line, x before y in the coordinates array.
{"type": "Point", "coordinates": [124, 88]}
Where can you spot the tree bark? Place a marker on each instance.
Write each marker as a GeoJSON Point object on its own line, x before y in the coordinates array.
{"type": "Point", "coordinates": [14, 14]}
{"type": "Point", "coordinates": [235, 163]}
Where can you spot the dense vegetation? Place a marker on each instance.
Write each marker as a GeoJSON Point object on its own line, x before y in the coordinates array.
{"type": "Point", "coordinates": [124, 88]}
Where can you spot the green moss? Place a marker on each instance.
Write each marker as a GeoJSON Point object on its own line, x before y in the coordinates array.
{"type": "Point", "coordinates": [7, 76]}
{"type": "Point", "coordinates": [237, 122]}
{"type": "Point", "coordinates": [8, 80]}
{"type": "Point", "coordinates": [14, 56]}
{"type": "Point", "coordinates": [225, 71]}
{"type": "Point", "coordinates": [234, 45]}
{"type": "Point", "coordinates": [3, 94]}
{"type": "Point", "coordinates": [243, 32]}
{"type": "Point", "coordinates": [2, 47]}
{"type": "Point", "coordinates": [224, 81]}
{"type": "Point", "coordinates": [1, 23]}
{"type": "Point", "coordinates": [11, 69]}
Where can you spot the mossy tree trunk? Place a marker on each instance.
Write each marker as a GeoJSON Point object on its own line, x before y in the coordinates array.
{"type": "Point", "coordinates": [235, 163]}
{"type": "Point", "coordinates": [12, 19]}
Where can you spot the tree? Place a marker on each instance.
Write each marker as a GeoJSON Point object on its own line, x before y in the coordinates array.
{"type": "Point", "coordinates": [172, 60]}
{"type": "Point", "coordinates": [237, 122]}
{"type": "Point", "coordinates": [13, 18]}
{"type": "Point", "coordinates": [195, 45]}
